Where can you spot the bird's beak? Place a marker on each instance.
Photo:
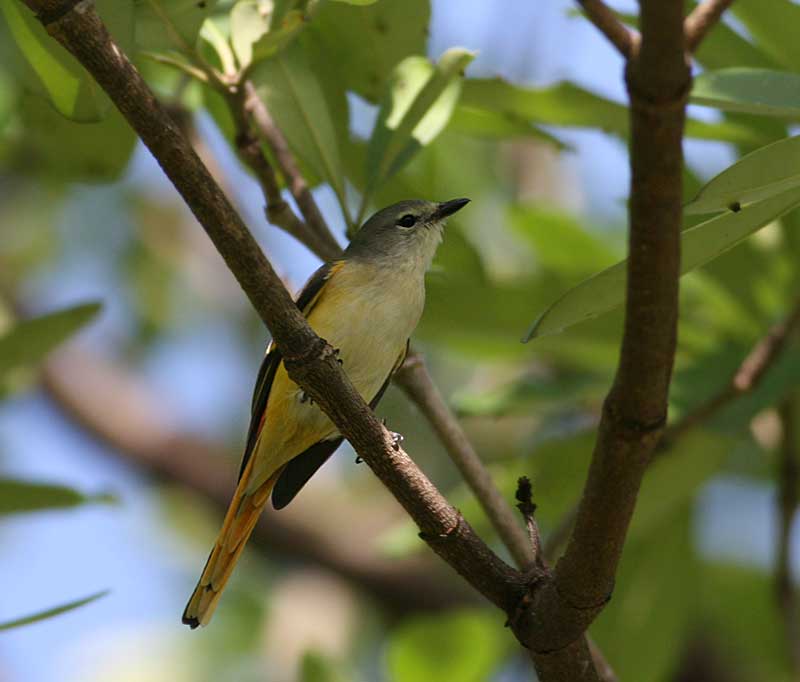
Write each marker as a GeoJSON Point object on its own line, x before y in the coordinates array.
{"type": "Point", "coordinates": [447, 208]}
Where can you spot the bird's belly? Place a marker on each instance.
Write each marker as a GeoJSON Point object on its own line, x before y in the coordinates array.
{"type": "Point", "coordinates": [369, 330]}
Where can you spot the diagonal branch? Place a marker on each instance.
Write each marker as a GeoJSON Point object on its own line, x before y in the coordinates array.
{"type": "Point", "coordinates": [110, 405]}
{"type": "Point", "coordinates": [603, 17]}
{"type": "Point", "coordinates": [309, 360]}
{"type": "Point", "coordinates": [702, 20]}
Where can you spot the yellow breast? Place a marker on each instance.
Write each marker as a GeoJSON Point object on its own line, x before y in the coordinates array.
{"type": "Point", "coordinates": [366, 312]}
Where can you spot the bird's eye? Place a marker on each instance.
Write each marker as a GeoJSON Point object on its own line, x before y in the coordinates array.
{"type": "Point", "coordinates": [407, 220]}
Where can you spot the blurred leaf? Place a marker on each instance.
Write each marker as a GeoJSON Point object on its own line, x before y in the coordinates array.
{"type": "Point", "coordinates": [53, 145]}
{"type": "Point", "coordinates": [23, 496]}
{"type": "Point", "coordinates": [50, 613]}
{"type": "Point", "coordinates": [724, 47]}
{"type": "Point", "coordinates": [699, 244]}
{"type": "Point", "coordinates": [655, 592]}
{"type": "Point", "coordinates": [365, 43]}
{"type": "Point", "coordinates": [752, 91]}
{"type": "Point", "coordinates": [279, 36]}
{"type": "Point", "coordinates": [417, 107]}
{"type": "Point", "coordinates": [52, 71]}
{"type": "Point", "coordinates": [170, 24]}
{"type": "Point", "coordinates": [673, 479]}
{"type": "Point", "coordinates": [462, 646]}
{"type": "Point", "coordinates": [566, 104]}
{"type": "Point", "coordinates": [498, 125]}
{"type": "Point", "coordinates": [358, 2]}
{"type": "Point", "coordinates": [559, 242]}
{"type": "Point", "coordinates": [762, 174]}
{"type": "Point", "coordinates": [29, 341]}
{"type": "Point", "coordinates": [249, 22]}
{"type": "Point", "coordinates": [774, 31]}
{"type": "Point", "coordinates": [315, 667]}
{"type": "Point", "coordinates": [297, 102]}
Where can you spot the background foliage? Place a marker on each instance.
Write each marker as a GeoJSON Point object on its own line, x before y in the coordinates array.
{"type": "Point", "coordinates": [376, 111]}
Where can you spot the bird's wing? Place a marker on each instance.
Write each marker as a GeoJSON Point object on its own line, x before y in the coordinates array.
{"type": "Point", "coordinates": [306, 300]}
{"type": "Point", "coordinates": [299, 470]}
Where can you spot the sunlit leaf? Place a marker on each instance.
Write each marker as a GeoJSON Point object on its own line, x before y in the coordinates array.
{"type": "Point", "coordinates": [50, 613]}
{"type": "Point", "coordinates": [28, 342]}
{"type": "Point", "coordinates": [699, 244]}
{"type": "Point", "coordinates": [764, 173]}
{"type": "Point", "coordinates": [498, 125]}
{"type": "Point", "coordinates": [468, 645]}
{"type": "Point", "coordinates": [774, 31]}
{"type": "Point", "coordinates": [364, 43]}
{"type": "Point", "coordinates": [249, 22]}
{"type": "Point", "coordinates": [751, 91]}
{"type": "Point", "coordinates": [52, 71]}
{"type": "Point", "coordinates": [416, 109]}
{"type": "Point", "coordinates": [18, 497]}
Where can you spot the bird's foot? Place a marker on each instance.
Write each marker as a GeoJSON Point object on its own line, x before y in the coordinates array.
{"type": "Point", "coordinates": [336, 352]}
{"type": "Point", "coordinates": [305, 398]}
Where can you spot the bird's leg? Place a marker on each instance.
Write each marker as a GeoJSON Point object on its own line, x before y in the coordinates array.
{"type": "Point", "coordinates": [397, 438]}
{"type": "Point", "coordinates": [305, 398]}
{"type": "Point", "coordinates": [336, 352]}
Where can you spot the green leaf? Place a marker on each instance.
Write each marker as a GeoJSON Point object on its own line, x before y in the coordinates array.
{"type": "Point", "coordinates": [51, 71]}
{"type": "Point", "coordinates": [66, 150]}
{"type": "Point", "coordinates": [315, 667]}
{"type": "Point", "coordinates": [365, 43]}
{"type": "Point", "coordinates": [416, 109]}
{"type": "Point", "coordinates": [279, 36]}
{"type": "Point", "coordinates": [297, 102]}
{"type": "Point", "coordinates": [49, 613]}
{"type": "Point", "coordinates": [170, 24]}
{"type": "Point", "coordinates": [762, 174]}
{"type": "Point", "coordinates": [23, 496]}
{"type": "Point", "coordinates": [775, 31]}
{"type": "Point", "coordinates": [750, 91]}
{"type": "Point", "coordinates": [498, 125]}
{"type": "Point", "coordinates": [361, 3]}
{"type": "Point", "coordinates": [249, 22]}
{"type": "Point", "coordinates": [699, 244]}
{"type": "Point", "coordinates": [29, 341]}
{"type": "Point", "coordinates": [465, 645]}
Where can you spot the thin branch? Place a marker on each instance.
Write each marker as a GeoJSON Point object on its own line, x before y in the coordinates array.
{"type": "Point", "coordinates": [702, 19]}
{"type": "Point", "coordinates": [746, 378]}
{"type": "Point", "coordinates": [309, 360]}
{"type": "Point", "coordinates": [619, 35]}
{"type": "Point", "coordinates": [111, 406]}
{"type": "Point", "coordinates": [415, 380]}
{"type": "Point", "coordinates": [787, 501]}
{"type": "Point", "coordinates": [273, 137]}
{"type": "Point", "coordinates": [527, 508]}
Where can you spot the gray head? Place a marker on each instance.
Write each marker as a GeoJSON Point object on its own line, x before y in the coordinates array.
{"type": "Point", "coordinates": [405, 233]}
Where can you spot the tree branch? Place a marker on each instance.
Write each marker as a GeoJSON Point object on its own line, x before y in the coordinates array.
{"type": "Point", "coordinates": [787, 501]}
{"type": "Point", "coordinates": [619, 35]}
{"type": "Point", "coordinates": [634, 412]}
{"type": "Point", "coordinates": [309, 360]}
{"type": "Point", "coordinates": [415, 380]}
{"type": "Point", "coordinates": [702, 20]}
{"type": "Point", "coordinates": [102, 399]}
{"type": "Point", "coordinates": [746, 378]}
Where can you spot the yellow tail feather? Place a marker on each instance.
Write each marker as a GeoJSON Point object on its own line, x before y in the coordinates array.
{"type": "Point", "coordinates": [240, 519]}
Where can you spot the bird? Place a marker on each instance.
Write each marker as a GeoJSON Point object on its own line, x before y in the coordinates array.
{"type": "Point", "coordinates": [366, 304]}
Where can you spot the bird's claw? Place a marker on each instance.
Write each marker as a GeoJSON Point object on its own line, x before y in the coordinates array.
{"type": "Point", "coordinates": [305, 398]}
{"type": "Point", "coordinates": [397, 439]}
{"type": "Point", "coordinates": [336, 352]}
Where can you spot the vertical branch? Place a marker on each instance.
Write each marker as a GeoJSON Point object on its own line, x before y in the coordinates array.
{"type": "Point", "coordinates": [787, 501]}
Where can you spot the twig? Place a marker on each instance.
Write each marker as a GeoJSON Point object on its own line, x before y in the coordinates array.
{"type": "Point", "coordinates": [746, 378]}
{"type": "Point", "coordinates": [619, 35]}
{"type": "Point", "coordinates": [702, 20]}
{"type": "Point", "coordinates": [415, 380]}
{"type": "Point", "coordinates": [272, 135]}
{"type": "Point", "coordinates": [787, 501]}
{"type": "Point", "coordinates": [111, 406]}
{"type": "Point", "coordinates": [527, 508]}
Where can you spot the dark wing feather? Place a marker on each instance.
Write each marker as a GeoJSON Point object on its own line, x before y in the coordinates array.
{"type": "Point", "coordinates": [300, 469]}
{"type": "Point", "coordinates": [272, 360]}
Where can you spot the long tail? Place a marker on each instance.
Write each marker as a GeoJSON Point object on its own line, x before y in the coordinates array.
{"type": "Point", "coordinates": [240, 519]}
